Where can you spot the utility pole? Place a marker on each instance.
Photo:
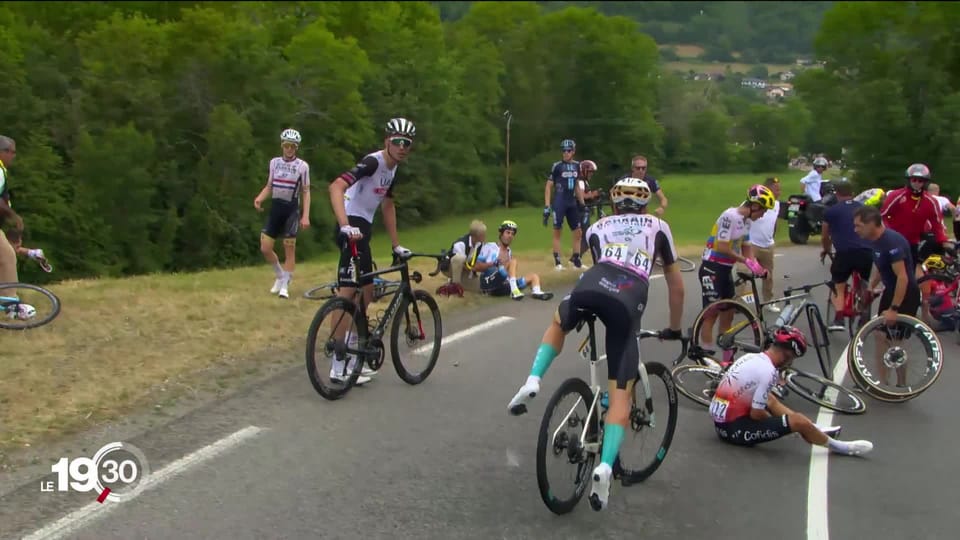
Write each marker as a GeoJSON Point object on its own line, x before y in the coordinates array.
{"type": "Point", "coordinates": [506, 193]}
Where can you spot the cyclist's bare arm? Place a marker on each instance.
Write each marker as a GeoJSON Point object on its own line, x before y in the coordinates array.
{"type": "Point", "coordinates": [262, 196]}
{"type": "Point", "coordinates": [825, 240]}
{"type": "Point", "coordinates": [7, 213]}
{"type": "Point", "coordinates": [390, 220]}
{"type": "Point", "coordinates": [777, 408]}
{"type": "Point", "coordinates": [662, 198]}
{"type": "Point", "coordinates": [337, 188]}
{"type": "Point", "coordinates": [675, 292]}
{"type": "Point", "coordinates": [547, 191]}
{"type": "Point", "coordinates": [747, 249]}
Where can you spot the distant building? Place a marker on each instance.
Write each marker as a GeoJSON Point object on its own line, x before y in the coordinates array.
{"type": "Point", "coordinates": [787, 75]}
{"type": "Point", "coordinates": [775, 92]}
{"type": "Point", "coordinates": [752, 82]}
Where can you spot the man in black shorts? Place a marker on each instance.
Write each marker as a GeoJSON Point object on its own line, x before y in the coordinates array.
{"type": "Point", "coordinates": [851, 253]}
{"type": "Point", "coordinates": [896, 268]}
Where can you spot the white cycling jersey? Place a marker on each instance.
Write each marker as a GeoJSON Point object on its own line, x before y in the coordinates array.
{"type": "Point", "coordinates": [288, 178]}
{"type": "Point", "coordinates": [370, 181]}
{"type": "Point", "coordinates": [730, 227]}
{"type": "Point", "coordinates": [744, 386]}
{"type": "Point", "coordinates": [632, 242]}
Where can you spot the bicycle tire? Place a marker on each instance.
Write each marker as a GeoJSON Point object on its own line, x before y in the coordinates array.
{"type": "Point", "coordinates": [560, 446]}
{"type": "Point", "coordinates": [821, 340]}
{"type": "Point", "coordinates": [317, 293]}
{"type": "Point", "coordinates": [863, 387]}
{"type": "Point", "coordinates": [402, 314]}
{"type": "Point", "coordinates": [697, 392]}
{"type": "Point", "coordinates": [794, 378]}
{"type": "Point", "coordinates": [333, 392]}
{"type": "Point", "coordinates": [36, 322]}
{"type": "Point", "coordinates": [686, 265]}
{"type": "Point", "coordinates": [856, 362]}
{"type": "Point", "coordinates": [638, 420]}
{"type": "Point", "coordinates": [754, 323]}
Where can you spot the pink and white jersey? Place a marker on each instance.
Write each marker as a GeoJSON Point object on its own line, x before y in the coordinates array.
{"type": "Point", "coordinates": [744, 386]}
{"type": "Point", "coordinates": [730, 227]}
{"type": "Point", "coordinates": [632, 242]}
{"type": "Point", "coordinates": [288, 178]}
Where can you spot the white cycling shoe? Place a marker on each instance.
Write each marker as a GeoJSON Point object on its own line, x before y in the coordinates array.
{"type": "Point", "coordinates": [859, 448]}
{"type": "Point", "coordinates": [518, 405]}
{"type": "Point", "coordinates": [276, 286]}
{"type": "Point", "coordinates": [600, 489]}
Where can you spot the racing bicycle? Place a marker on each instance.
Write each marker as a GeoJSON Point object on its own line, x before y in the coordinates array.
{"type": "Point", "coordinates": [406, 311]}
{"type": "Point", "coordinates": [753, 334]}
{"type": "Point", "coordinates": [856, 303]}
{"type": "Point", "coordinates": [24, 306]}
{"type": "Point", "coordinates": [381, 288]}
{"type": "Point", "coordinates": [578, 437]}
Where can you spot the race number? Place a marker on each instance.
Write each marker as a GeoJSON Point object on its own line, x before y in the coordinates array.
{"type": "Point", "coordinates": [718, 409]}
{"type": "Point", "coordinates": [620, 254]}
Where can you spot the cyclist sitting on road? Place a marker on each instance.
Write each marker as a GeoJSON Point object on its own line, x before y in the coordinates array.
{"type": "Point", "coordinates": [498, 268]}
{"type": "Point", "coordinates": [288, 178]}
{"type": "Point", "coordinates": [615, 290]}
{"type": "Point", "coordinates": [852, 253]}
{"type": "Point", "coordinates": [746, 413]}
{"type": "Point", "coordinates": [938, 307]}
{"type": "Point", "coordinates": [565, 201]}
{"type": "Point", "coordinates": [355, 196]}
{"type": "Point", "coordinates": [462, 257]}
{"type": "Point", "coordinates": [729, 236]}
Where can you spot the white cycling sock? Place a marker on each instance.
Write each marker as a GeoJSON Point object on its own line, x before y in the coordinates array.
{"type": "Point", "coordinates": [278, 270]}
{"type": "Point", "coordinates": [513, 284]}
{"type": "Point", "coordinates": [838, 446]}
{"type": "Point", "coordinates": [536, 289]}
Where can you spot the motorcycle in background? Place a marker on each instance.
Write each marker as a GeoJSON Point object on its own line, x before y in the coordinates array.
{"type": "Point", "coordinates": [804, 216]}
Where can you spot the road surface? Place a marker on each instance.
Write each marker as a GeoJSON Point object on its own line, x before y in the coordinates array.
{"type": "Point", "coordinates": [445, 460]}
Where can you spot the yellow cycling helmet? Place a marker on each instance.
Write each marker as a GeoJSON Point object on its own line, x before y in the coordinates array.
{"type": "Point", "coordinates": [508, 225]}
{"type": "Point", "coordinates": [934, 262]}
{"type": "Point", "coordinates": [762, 195]}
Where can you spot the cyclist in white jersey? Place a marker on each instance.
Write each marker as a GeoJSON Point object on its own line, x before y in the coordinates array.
{"type": "Point", "coordinates": [729, 235]}
{"type": "Point", "coordinates": [8, 253]}
{"type": "Point", "coordinates": [355, 196]}
{"type": "Point", "coordinates": [288, 176]}
{"type": "Point", "coordinates": [623, 247]}
{"type": "Point", "coordinates": [746, 413]}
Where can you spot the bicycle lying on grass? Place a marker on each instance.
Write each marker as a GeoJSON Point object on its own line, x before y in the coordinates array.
{"type": "Point", "coordinates": [24, 306]}
{"type": "Point", "coordinates": [578, 438]}
{"type": "Point", "coordinates": [381, 287]}
{"type": "Point", "coordinates": [348, 355]}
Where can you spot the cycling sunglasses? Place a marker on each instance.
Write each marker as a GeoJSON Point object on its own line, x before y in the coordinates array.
{"type": "Point", "coordinates": [402, 142]}
{"type": "Point", "coordinates": [288, 145]}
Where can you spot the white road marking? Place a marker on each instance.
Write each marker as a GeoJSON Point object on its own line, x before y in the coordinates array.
{"type": "Point", "coordinates": [465, 333]}
{"type": "Point", "coordinates": [778, 254]}
{"type": "Point", "coordinates": [818, 524]}
{"type": "Point", "coordinates": [74, 521]}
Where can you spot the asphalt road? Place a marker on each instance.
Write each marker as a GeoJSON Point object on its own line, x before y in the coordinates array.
{"type": "Point", "coordinates": [445, 460]}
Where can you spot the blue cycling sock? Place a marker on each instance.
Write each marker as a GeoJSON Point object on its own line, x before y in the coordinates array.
{"type": "Point", "coordinates": [612, 437]}
{"type": "Point", "coordinates": [541, 363]}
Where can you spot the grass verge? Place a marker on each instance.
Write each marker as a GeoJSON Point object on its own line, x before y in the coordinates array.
{"type": "Point", "coordinates": [131, 344]}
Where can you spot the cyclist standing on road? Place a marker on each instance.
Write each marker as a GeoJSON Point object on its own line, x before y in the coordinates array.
{"type": "Point", "coordinates": [746, 413]}
{"type": "Point", "coordinates": [565, 201]}
{"type": "Point", "coordinates": [912, 212]}
{"type": "Point", "coordinates": [851, 253]}
{"type": "Point", "coordinates": [615, 290]}
{"type": "Point", "coordinates": [730, 234]}
{"type": "Point", "coordinates": [355, 196]}
{"type": "Point", "coordinates": [762, 233]}
{"type": "Point", "coordinates": [287, 177]}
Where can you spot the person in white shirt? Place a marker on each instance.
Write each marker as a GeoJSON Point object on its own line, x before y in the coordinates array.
{"type": "Point", "coordinates": [811, 182]}
{"type": "Point", "coordinates": [946, 207]}
{"type": "Point", "coordinates": [762, 232]}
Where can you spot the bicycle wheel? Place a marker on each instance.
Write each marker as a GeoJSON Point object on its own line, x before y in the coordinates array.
{"type": "Point", "coordinates": [911, 349]}
{"type": "Point", "coordinates": [686, 265]}
{"type": "Point", "coordinates": [697, 382]}
{"type": "Point", "coordinates": [646, 420]}
{"type": "Point", "coordinates": [562, 441]}
{"type": "Point", "coordinates": [824, 392]}
{"type": "Point", "coordinates": [821, 341]}
{"type": "Point", "coordinates": [24, 306]}
{"type": "Point", "coordinates": [322, 292]}
{"type": "Point", "coordinates": [342, 362]}
{"type": "Point", "coordinates": [745, 331]}
{"type": "Point", "coordinates": [423, 343]}
{"type": "Point", "coordinates": [863, 387]}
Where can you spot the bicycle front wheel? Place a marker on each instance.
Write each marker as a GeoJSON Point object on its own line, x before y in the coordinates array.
{"type": "Point", "coordinates": [24, 306]}
{"type": "Point", "coordinates": [566, 418]}
{"type": "Point", "coordinates": [909, 352]}
{"type": "Point", "coordinates": [653, 420]}
{"type": "Point", "coordinates": [745, 330]}
{"type": "Point", "coordinates": [335, 341]}
{"type": "Point", "coordinates": [697, 382]}
{"type": "Point", "coordinates": [824, 392]}
{"type": "Point", "coordinates": [418, 328]}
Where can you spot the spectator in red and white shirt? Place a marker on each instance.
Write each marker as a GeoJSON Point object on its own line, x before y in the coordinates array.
{"type": "Point", "coordinates": [915, 213]}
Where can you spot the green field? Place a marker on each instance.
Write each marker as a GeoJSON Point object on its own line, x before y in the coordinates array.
{"type": "Point", "coordinates": [152, 340]}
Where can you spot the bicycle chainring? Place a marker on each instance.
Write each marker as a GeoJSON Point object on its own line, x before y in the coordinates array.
{"type": "Point", "coordinates": [376, 355]}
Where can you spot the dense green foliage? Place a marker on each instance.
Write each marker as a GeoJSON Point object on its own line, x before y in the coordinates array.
{"type": "Point", "coordinates": [144, 129]}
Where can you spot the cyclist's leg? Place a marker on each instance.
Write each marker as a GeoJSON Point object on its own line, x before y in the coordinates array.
{"type": "Point", "coordinates": [573, 221]}
{"type": "Point", "coordinates": [290, 229]}
{"type": "Point", "coordinates": [840, 270]}
{"type": "Point", "coordinates": [8, 264]}
{"type": "Point", "coordinates": [708, 290]}
{"type": "Point", "coordinates": [765, 258]}
{"type": "Point", "coordinates": [559, 209]}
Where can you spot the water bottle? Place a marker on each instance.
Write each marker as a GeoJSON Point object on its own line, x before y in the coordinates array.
{"type": "Point", "coordinates": [785, 315]}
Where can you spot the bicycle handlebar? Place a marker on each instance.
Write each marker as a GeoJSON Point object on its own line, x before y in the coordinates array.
{"type": "Point", "coordinates": [398, 261]}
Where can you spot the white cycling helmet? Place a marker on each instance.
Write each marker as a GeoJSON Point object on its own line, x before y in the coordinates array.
{"type": "Point", "coordinates": [290, 135]}
{"type": "Point", "coordinates": [820, 162]}
{"type": "Point", "coordinates": [630, 195]}
{"type": "Point", "coordinates": [401, 127]}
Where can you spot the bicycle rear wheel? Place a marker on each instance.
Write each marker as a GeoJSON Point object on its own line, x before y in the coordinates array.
{"type": "Point", "coordinates": [322, 292]}
{"type": "Point", "coordinates": [561, 441]}
{"type": "Point", "coordinates": [697, 382]}
{"type": "Point", "coordinates": [408, 329]}
{"type": "Point", "coordinates": [24, 306]}
{"type": "Point", "coordinates": [649, 412]}
{"type": "Point", "coordinates": [824, 392]}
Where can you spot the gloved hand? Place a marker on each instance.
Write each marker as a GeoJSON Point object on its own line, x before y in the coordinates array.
{"type": "Point", "coordinates": [546, 215]}
{"type": "Point", "coordinates": [755, 267]}
{"type": "Point", "coordinates": [352, 233]}
{"type": "Point", "coordinates": [402, 252]}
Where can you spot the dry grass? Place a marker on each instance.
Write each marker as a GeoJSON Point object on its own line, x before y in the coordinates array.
{"type": "Point", "coordinates": [685, 51]}
{"type": "Point", "coordinates": [720, 67]}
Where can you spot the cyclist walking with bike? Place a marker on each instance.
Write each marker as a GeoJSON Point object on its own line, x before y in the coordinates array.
{"type": "Point", "coordinates": [851, 253]}
{"type": "Point", "coordinates": [746, 413]}
{"type": "Point", "coordinates": [623, 247]}
{"type": "Point", "coordinates": [355, 196]}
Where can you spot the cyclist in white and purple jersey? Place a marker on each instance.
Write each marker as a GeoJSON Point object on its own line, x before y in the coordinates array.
{"type": "Point", "coordinates": [623, 247]}
{"type": "Point", "coordinates": [288, 176]}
